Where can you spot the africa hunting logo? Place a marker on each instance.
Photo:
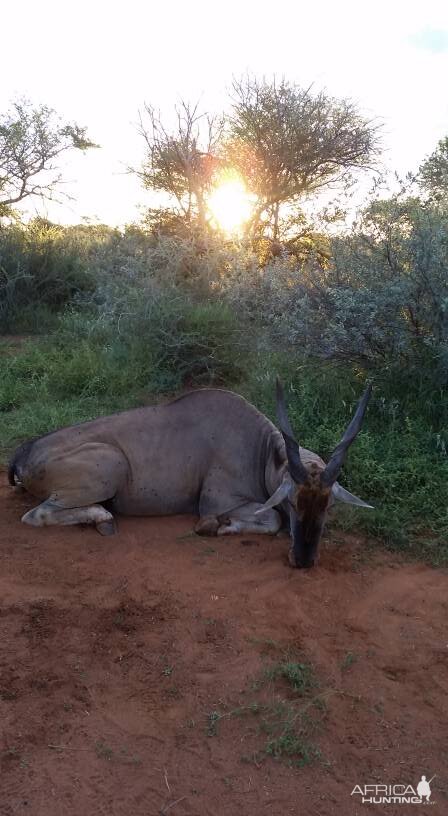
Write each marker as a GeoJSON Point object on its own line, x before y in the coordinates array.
{"type": "Point", "coordinates": [395, 794]}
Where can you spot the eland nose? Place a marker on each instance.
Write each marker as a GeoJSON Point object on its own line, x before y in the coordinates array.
{"type": "Point", "coordinates": [307, 564]}
{"type": "Point", "coordinates": [300, 563]}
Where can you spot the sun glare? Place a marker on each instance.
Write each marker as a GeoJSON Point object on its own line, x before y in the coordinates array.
{"type": "Point", "coordinates": [230, 204]}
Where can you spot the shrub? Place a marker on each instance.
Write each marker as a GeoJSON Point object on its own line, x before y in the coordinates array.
{"type": "Point", "coordinates": [380, 303]}
{"type": "Point", "coordinates": [38, 270]}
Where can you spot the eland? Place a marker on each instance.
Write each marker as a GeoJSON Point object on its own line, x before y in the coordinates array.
{"type": "Point", "coordinates": [209, 452]}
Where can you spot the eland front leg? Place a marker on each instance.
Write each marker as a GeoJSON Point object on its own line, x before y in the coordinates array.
{"type": "Point", "coordinates": [241, 520]}
{"type": "Point", "coordinates": [244, 520]}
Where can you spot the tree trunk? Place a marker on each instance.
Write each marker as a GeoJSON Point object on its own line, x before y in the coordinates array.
{"type": "Point", "coordinates": [275, 224]}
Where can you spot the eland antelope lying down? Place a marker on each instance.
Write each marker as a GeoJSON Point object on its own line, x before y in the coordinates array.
{"type": "Point", "coordinates": [209, 452]}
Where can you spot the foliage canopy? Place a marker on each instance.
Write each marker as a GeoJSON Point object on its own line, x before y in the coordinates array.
{"type": "Point", "coordinates": [31, 141]}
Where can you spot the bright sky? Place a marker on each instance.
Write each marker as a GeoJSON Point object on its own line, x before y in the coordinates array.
{"type": "Point", "coordinates": [97, 62]}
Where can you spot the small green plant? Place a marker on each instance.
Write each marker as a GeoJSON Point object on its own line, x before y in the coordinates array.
{"type": "Point", "coordinates": [173, 692]}
{"type": "Point", "coordinates": [292, 746]}
{"type": "Point", "coordinates": [287, 728]}
{"type": "Point", "coordinates": [287, 724]}
{"type": "Point", "coordinates": [348, 661]}
{"type": "Point", "coordinates": [127, 758]}
{"type": "Point", "coordinates": [213, 719]}
{"type": "Point", "coordinates": [167, 671]}
{"type": "Point", "coordinates": [242, 711]}
{"type": "Point", "coordinates": [299, 676]}
{"type": "Point", "coordinates": [103, 751]}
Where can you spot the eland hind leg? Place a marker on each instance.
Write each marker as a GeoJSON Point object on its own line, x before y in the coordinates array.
{"type": "Point", "coordinates": [75, 484]}
{"type": "Point", "coordinates": [49, 513]}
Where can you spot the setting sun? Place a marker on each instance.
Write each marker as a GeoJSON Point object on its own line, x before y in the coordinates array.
{"type": "Point", "coordinates": [230, 205]}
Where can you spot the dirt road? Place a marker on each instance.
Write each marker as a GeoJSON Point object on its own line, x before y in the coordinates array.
{"type": "Point", "coordinates": [141, 674]}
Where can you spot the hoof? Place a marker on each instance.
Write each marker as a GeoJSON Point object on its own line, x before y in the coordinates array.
{"type": "Point", "coordinates": [293, 562]}
{"type": "Point", "coordinates": [207, 526]}
{"type": "Point", "coordinates": [233, 528]}
{"type": "Point", "coordinates": [32, 518]}
{"type": "Point", "coordinates": [107, 528]}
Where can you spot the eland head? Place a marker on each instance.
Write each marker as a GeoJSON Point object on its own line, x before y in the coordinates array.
{"type": "Point", "coordinates": [308, 490]}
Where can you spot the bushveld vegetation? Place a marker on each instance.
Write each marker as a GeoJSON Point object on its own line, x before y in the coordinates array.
{"type": "Point", "coordinates": [116, 318]}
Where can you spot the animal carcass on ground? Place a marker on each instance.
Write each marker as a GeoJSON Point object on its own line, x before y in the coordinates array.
{"type": "Point", "coordinates": [209, 452]}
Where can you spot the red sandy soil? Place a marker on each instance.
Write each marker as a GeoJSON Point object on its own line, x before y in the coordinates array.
{"type": "Point", "coordinates": [115, 651]}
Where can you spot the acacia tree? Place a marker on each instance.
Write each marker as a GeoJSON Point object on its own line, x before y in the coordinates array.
{"type": "Point", "coordinates": [31, 141]}
{"type": "Point", "coordinates": [181, 163]}
{"type": "Point", "coordinates": [288, 142]}
{"type": "Point", "coordinates": [284, 141]}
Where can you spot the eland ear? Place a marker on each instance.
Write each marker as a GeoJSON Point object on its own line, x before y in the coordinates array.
{"type": "Point", "coordinates": [342, 495]}
{"type": "Point", "coordinates": [277, 498]}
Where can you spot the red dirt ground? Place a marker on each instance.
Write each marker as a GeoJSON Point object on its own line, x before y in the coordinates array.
{"type": "Point", "coordinates": [115, 651]}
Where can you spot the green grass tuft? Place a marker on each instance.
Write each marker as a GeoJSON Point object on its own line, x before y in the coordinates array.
{"type": "Point", "coordinates": [298, 676]}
